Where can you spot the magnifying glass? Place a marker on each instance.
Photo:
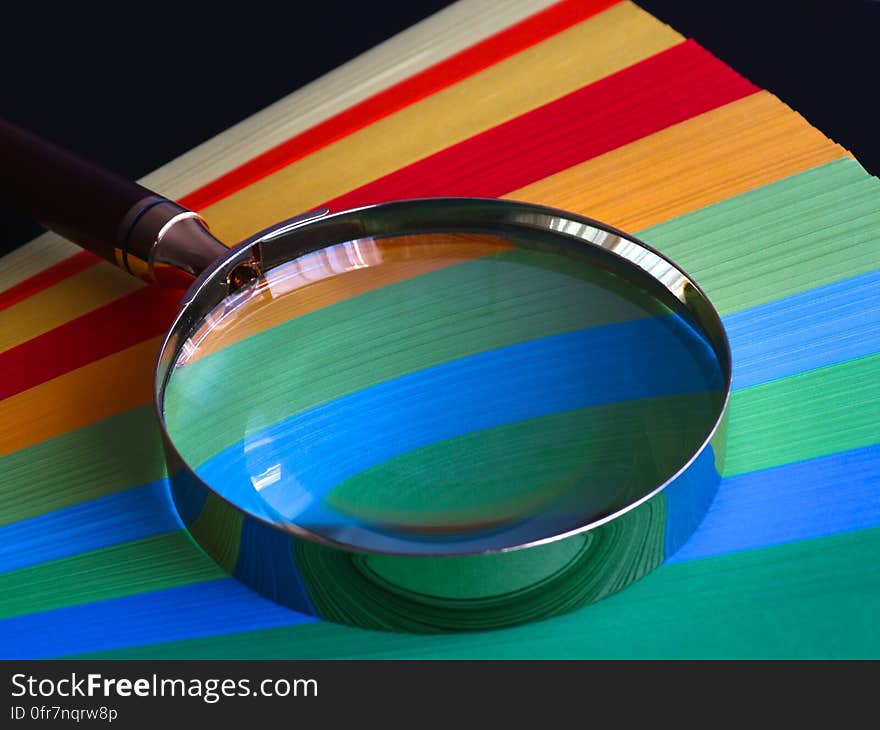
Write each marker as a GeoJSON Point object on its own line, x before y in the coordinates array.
{"type": "Point", "coordinates": [425, 415]}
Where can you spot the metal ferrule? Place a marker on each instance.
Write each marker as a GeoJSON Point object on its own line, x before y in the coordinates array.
{"type": "Point", "coordinates": [163, 242]}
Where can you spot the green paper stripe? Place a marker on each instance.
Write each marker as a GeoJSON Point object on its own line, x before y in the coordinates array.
{"type": "Point", "coordinates": [819, 412]}
{"type": "Point", "coordinates": [105, 457]}
{"type": "Point", "coordinates": [798, 233]}
{"type": "Point", "coordinates": [811, 599]}
{"type": "Point", "coordinates": [524, 467]}
{"type": "Point", "coordinates": [164, 561]}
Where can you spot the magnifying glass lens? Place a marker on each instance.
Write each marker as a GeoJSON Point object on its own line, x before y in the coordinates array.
{"type": "Point", "coordinates": [442, 393]}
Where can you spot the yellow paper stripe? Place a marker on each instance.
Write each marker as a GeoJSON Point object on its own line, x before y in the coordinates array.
{"type": "Point", "coordinates": [716, 155]}
{"type": "Point", "coordinates": [66, 300]}
{"type": "Point", "coordinates": [608, 42]}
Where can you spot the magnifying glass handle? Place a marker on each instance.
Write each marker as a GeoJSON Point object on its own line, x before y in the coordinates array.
{"type": "Point", "coordinates": [129, 225]}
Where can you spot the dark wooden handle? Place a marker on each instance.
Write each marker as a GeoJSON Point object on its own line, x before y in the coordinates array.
{"type": "Point", "coordinates": [77, 199]}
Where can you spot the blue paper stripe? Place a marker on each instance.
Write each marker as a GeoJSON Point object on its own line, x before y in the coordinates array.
{"type": "Point", "coordinates": [122, 517]}
{"type": "Point", "coordinates": [799, 501]}
{"type": "Point", "coordinates": [203, 609]}
{"type": "Point", "coordinates": [265, 561]}
{"type": "Point", "coordinates": [805, 331]}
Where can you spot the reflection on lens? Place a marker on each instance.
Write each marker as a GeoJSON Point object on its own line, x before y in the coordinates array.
{"type": "Point", "coordinates": [441, 393]}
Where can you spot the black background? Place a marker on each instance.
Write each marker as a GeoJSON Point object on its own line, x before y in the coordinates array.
{"type": "Point", "coordinates": [134, 86]}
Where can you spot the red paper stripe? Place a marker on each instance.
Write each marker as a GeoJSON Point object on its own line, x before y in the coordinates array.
{"type": "Point", "coordinates": [145, 313]}
{"type": "Point", "coordinates": [465, 63]}
{"type": "Point", "coordinates": [46, 278]}
{"type": "Point", "coordinates": [670, 87]}
{"type": "Point", "coordinates": [662, 90]}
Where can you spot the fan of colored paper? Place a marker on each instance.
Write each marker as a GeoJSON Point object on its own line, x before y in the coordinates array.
{"type": "Point", "coordinates": [588, 105]}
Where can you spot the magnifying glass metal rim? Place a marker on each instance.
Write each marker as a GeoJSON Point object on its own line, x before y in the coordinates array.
{"type": "Point", "coordinates": [162, 242]}
{"type": "Point", "coordinates": [313, 231]}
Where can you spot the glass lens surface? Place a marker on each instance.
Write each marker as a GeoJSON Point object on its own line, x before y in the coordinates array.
{"type": "Point", "coordinates": [442, 393]}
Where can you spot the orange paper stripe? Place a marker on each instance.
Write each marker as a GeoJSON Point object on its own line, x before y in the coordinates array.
{"type": "Point", "coordinates": [716, 155]}
{"type": "Point", "coordinates": [99, 390]}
